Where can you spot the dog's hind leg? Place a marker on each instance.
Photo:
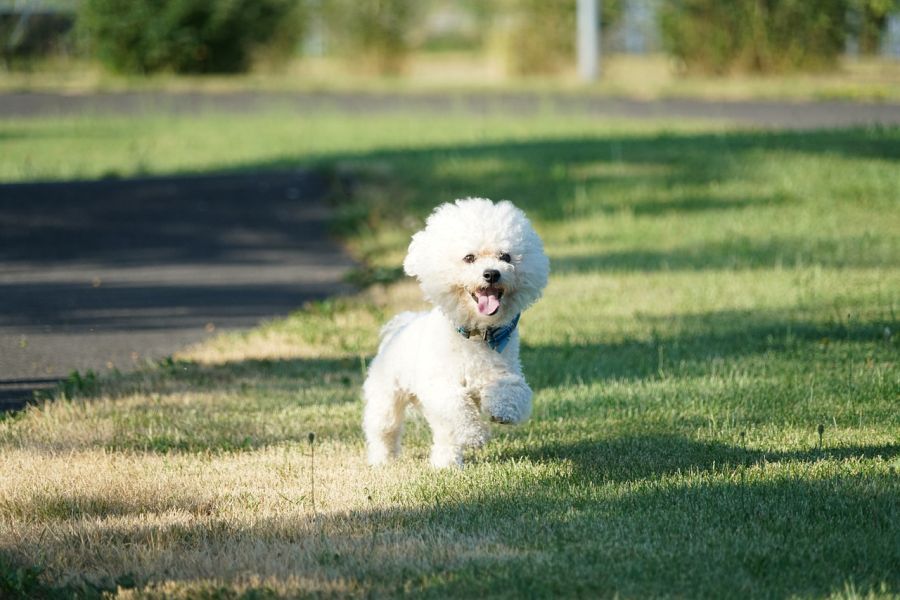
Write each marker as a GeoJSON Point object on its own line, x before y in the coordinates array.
{"type": "Point", "coordinates": [383, 421]}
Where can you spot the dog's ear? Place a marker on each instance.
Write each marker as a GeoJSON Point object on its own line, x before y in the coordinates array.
{"type": "Point", "coordinates": [412, 264]}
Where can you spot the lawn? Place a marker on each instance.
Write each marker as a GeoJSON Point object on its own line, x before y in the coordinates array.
{"type": "Point", "coordinates": [715, 366]}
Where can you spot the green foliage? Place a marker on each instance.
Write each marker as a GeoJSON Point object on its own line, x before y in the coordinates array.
{"type": "Point", "coordinates": [77, 384]}
{"type": "Point", "coordinates": [542, 39]}
{"type": "Point", "coordinates": [187, 36]}
{"type": "Point", "coordinates": [40, 36]}
{"type": "Point", "coordinates": [754, 35]}
{"type": "Point", "coordinates": [374, 33]}
{"type": "Point", "coordinates": [867, 21]}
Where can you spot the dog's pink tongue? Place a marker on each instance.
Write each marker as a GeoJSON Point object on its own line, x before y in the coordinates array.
{"type": "Point", "coordinates": [488, 304]}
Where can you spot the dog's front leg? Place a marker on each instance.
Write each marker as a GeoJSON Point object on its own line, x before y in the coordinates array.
{"type": "Point", "coordinates": [507, 399]}
{"type": "Point", "coordinates": [455, 425]}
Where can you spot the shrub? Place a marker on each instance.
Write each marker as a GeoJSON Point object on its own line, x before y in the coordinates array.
{"type": "Point", "coordinates": [375, 34]}
{"type": "Point", "coordinates": [186, 36]}
{"type": "Point", "coordinates": [542, 39]}
{"type": "Point", "coordinates": [868, 19]}
{"type": "Point", "coordinates": [754, 35]}
{"type": "Point", "coordinates": [39, 36]}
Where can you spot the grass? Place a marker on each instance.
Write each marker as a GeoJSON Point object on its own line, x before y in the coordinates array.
{"type": "Point", "coordinates": [867, 79]}
{"type": "Point", "coordinates": [714, 365]}
{"type": "Point", "coordinates": [98, 146]}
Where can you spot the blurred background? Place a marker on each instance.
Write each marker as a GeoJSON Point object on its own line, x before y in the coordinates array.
{"type": "Point", "coordinates": [647, 48]}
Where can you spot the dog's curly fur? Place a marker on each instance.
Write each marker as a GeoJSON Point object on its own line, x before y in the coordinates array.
{"type": "Point", "coordinates": [481, 264]}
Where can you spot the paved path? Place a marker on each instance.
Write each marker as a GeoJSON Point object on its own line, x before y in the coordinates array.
{"type": "Point", "coordinates": [763, 113]}
{"type": "Point", "coordinates": [110, 274]}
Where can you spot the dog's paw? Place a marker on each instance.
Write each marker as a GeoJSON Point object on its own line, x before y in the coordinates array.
{"type": "Point", "coordinates": [509, 404]}
{"type": "Point", "coordinates": [509, 414]}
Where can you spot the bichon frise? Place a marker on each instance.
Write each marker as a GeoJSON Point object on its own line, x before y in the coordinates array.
{"type": "Point", "coordinates": [481, 264]}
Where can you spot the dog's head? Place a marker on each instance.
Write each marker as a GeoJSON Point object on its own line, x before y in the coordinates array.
{"type": "Point", "coordinates": [481, 263]}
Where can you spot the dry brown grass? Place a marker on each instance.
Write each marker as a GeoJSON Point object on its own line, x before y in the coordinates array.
{"type": "Point", "coordinates": [192, 523]}
{"type": "Point", "coordinates": [640, 76]}
{"type": "Point", "coordinates": [93, 513]}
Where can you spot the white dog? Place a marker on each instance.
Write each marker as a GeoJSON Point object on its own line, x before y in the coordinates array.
{"type": "Point", "coordinates": [481, 264]}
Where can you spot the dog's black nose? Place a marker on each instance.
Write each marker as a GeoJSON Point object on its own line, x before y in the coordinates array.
{"type": "Point", "coordinates": [491, 275]}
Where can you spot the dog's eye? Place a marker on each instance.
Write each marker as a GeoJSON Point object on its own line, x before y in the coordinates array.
{"type": "Point", "coordinates": [469, 258]}
{"type": "Point", "coordinates": [505, 257]}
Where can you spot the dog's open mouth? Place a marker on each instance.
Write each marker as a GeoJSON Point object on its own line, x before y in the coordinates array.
{"type": "Point", "coordinates": [488, 300]}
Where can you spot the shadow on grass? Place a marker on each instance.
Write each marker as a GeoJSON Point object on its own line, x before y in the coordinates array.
{"type": "Point", "coordinates": [653, 176]}
{"type": "Point", "coordinates": [689, 343]}
{"type": "Point", "coordinates": [267, 376]}
{"type": "Point", "coordinates": [271, 374]}
{"type": "Point", "coordinates": [540, 175]}
{"type": "Point", "coordinates": [59, 222]}
{"type": "Point", "coordinates": [737, 253]}
{"type": "Point", "coordinates": [697, 204]}
{"type": "Point", "coordinates": [698, 344]}
{"type": "Point", "coordinates": [652, 456]}
{"type": "Point", "coordinates": [720, 530]}
{"type": "Point", "coordinates": [773, 538]}
{"type": "Point", "coordinates": [248, 404]}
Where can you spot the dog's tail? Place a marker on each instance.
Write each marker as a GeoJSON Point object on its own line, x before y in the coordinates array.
{"type": "Point", "coordinates": [394, 325]}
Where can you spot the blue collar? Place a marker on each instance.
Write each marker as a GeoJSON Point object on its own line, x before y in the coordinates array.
{"type": "Point", "coordinates": [496, 337]}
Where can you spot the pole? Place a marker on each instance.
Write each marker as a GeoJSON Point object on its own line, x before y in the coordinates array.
{"type": "Point", "coordinates": [588, 40]}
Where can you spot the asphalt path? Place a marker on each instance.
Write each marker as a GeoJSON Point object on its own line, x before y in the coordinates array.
{"type": "Point", "coordinates": [757, 113]}
{"type": "Point", "coordinates": [108, 275]}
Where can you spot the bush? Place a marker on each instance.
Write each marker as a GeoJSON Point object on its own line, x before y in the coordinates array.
{"type": "Point", "coordinates": [375, 34]}
{"type": "Point", "coordinates": [868, 20]}
{"type": "Point", "coordinates": [187, 36]}
{"type": "Point", "coordinates": [542, 39]}
{"type": "Point", "coordinates": [39, 36]}
{"type": "Point", "coordinates": [754, 35]}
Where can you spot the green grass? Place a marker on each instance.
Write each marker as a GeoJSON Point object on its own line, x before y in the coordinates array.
{"type": "Point", "coordinates": [88, 147]}
{"type": "Point", "coordinates": [719, 297]}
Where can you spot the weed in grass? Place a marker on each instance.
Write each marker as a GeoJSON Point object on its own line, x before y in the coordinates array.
{"type": "Point", "coordinates": [311, 438]}
{"type": "Point", "coordinates": [76, 384]}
